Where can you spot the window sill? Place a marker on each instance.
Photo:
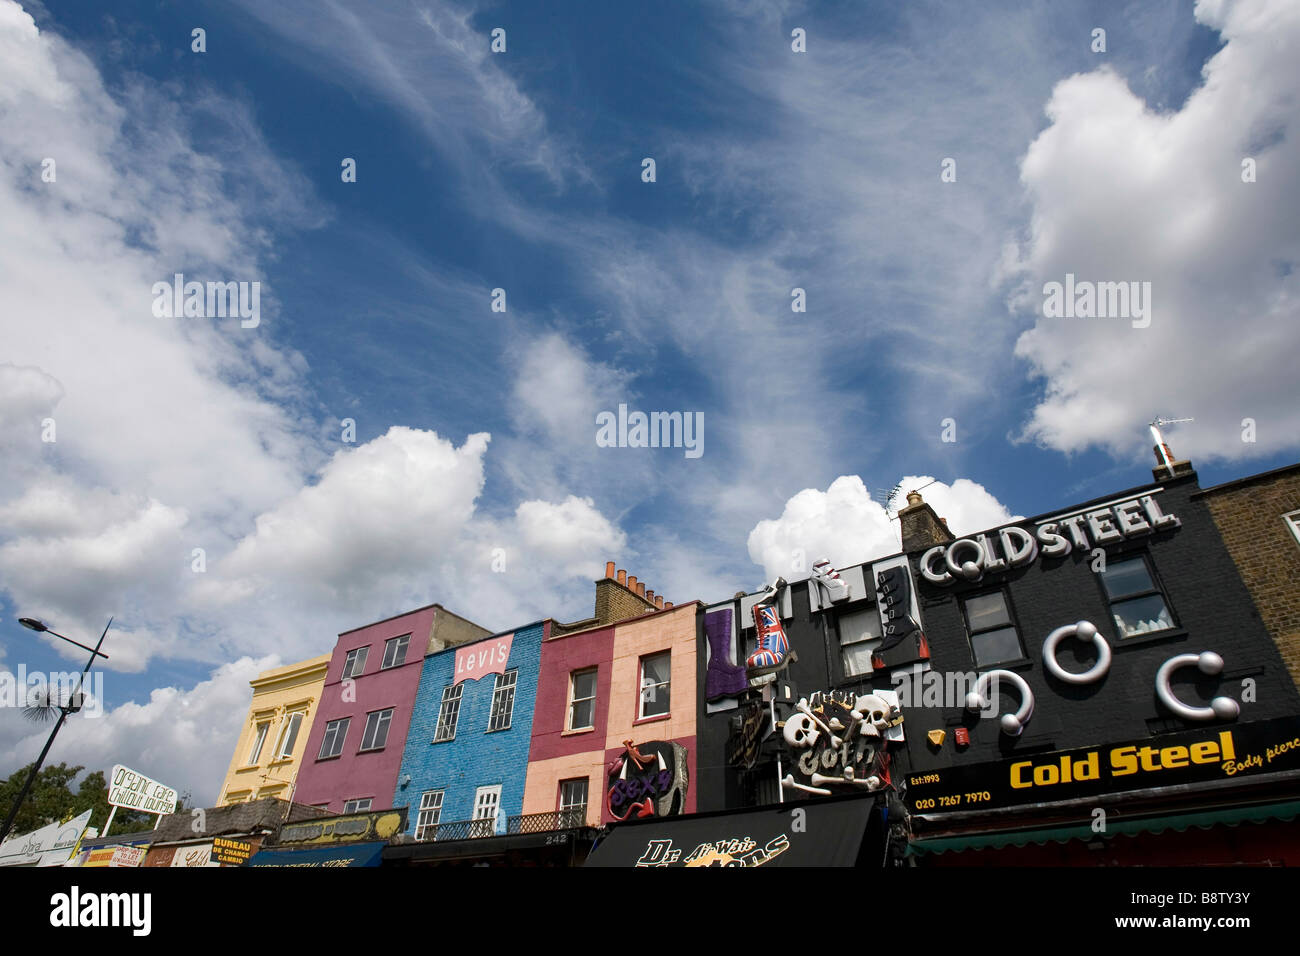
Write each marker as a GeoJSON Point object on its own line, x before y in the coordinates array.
{"type": "Point", "coordinates": [331, 757]}
{"type": "Point", "coordinates": [496, 730]}
{"type": "Point", "coordinates": [650, 720]}
{"type": "Point", "coordinates": [577, 730]}
{"type": "Point", "coordinates": [1018, 663]}
{"type": "Point", "coordinates": [441, 740]}
{"type": "Point", "coordinates": [371, 750]}
{"type": "Point", "coordinates": [1150, 637]}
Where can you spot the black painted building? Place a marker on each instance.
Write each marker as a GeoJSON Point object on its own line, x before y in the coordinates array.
{"type": "Point", "coordinates": [1092, 685]}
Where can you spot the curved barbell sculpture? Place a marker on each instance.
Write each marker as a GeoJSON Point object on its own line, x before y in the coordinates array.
{"type": "Point", "coordinates": [1224, 708]}
{"type": "Point", "coordinates": [1012, 724]}
{"type": "Point", "coordinates": [1084, 631]}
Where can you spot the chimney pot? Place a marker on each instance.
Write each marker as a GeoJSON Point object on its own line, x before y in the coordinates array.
{"type": "Point", "coordinates": [667, 604]}
{"type": "Point", "coordinates": [650, 596]}
{"type": "Point", "coordinates": [609, 569]}
{"type": "Point", "coordinates": [914, 498]}
{"type": "Point", "coordinates": [622, 577]}
{"type": "Point", "coordinates": [631, 582]}
{"type": "Point", "coordinates": [640, 588]}
{"type": "Point", "coordinates": [944, 522]}
{"type": "Point", "coordinates": [659, 601]}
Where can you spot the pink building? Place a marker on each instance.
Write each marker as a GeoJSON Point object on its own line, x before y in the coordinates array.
{"type": "Point", "coordinates": [603, 683]}
{"type": "Point", "coordinates": [355, 748]}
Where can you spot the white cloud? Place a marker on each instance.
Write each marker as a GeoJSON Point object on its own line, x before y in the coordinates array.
{"type": "Point", "coordinates": [1121, 192]}
{"type": "Point", "coordinates": [845, 526]}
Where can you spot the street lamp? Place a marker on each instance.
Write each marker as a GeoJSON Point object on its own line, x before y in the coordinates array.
{"type": "Point", "coordinates": [73, 705]}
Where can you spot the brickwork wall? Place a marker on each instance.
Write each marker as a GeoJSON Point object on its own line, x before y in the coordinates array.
{"type": "Point", "coordinates": [1249, 516]}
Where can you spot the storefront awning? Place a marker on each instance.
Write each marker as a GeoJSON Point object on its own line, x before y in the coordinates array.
{"type": "Point", "coordinates": [831, 832]}
{"type": "Point", "coordinates": [1231, 816]}
{"type": "Point", "coordinates": [352, 854]}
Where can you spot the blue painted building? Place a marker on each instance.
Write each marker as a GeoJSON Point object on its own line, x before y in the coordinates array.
{"type": "Point", "coordinates": [466, 754]}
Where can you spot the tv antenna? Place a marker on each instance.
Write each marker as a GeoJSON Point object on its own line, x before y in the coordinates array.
{"type": "Point", "coordinates": [1163, 454]}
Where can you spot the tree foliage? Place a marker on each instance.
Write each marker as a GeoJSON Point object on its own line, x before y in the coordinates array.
{"type": "Point", "coordinates": [53, 800]}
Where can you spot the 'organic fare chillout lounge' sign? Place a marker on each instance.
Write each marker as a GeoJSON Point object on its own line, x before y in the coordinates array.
{"type": "Point", "coordinates": [135, 791]}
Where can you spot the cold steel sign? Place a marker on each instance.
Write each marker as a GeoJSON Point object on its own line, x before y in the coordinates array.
{"type": "Point", "coordinates": [135, 791]}
{"type": "Point", "coordinates": [1212, 753]}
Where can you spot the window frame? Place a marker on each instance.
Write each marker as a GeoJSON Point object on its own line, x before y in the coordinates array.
{"type": "Point", "coordinates": [338, 740]}
{"type": "Point", "coordinates": [595, 692]}
{"type": "Point", "coordinates": [1012, 622]}
{"type": "Point", "coordinates": [451, 694]}
{"type": "Point", "coordinates": [280, 754]}
{"type": "Point", "coordinates": [357, 808]}
{"type": "Point", "coordinates": [487, 790]}
{"type": "Point", "coordinates": [642, 686]}
{"type": "Point", "coordinates": [352, 670]}
{"type": "Point", "coordinates": [404, 642]}
{"type": "Point", "coordinates": [872, 613]}
{"type": "Point", "coordinates": [1157, 588]}
{"type": "Point", "coordinates": [506, 692]}
{"type": "Point", "coordinates": [562, 808]}
{"type": "Point", "coordinates": [1292, 520]}
{"type": "Point", "coordinates": [421, 828]}
{"type": "Point", "coordinates": [255, 754]}
{"type": "Point", "coordinates": [385, 719]}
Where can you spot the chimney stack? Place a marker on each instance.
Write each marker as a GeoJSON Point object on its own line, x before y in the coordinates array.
{"type": "Point", "coordinates": [919, 526]}
{"type": "Point", "coordinates": [620, 596]}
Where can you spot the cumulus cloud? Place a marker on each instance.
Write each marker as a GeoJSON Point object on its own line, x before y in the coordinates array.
{"type": "Point", "coordinates": [1123, 192]}
{"type": "Point", "coordinates": [845, 526]}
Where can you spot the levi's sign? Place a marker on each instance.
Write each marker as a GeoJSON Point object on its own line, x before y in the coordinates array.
{"type": "Point", "coordinates": [484, 657]}
{"type": "Point", "coordinates": [1014, 546]}
{"type": "Point", "coordinates": [135, 791]}
{"type": "Point", "coordinates": [1196, 756]}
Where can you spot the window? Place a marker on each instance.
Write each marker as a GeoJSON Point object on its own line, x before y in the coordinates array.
{"type": "Point", "coordinates": [1136, 603]}
{"type": "Point", "coordinates": [582, 700]}
{"type": "Point", "coordinates": [487, 801]}
{"type": "Point", "coordinates": [573, 802]}
{"type": "Point", "coordinates": [993, 637]}
{"type": "Point", "coordinates": [332, 744]}
{"type": "Point", "coordinates": [288, 736]}
{"type": "Point", "coordinates": [376, 735]}
{"type": "Point", "coordinates": [857, 630]}
{"type": "Point", "coordinates": [449, 713]}
{"type": "Point", "coordinates": [256, 753]}
{"type": "Point", "coordinates": [1293, 522]}
{"type": "Point", "coordinates": [395, 651]}
{"type": "Point", "coordinates": [655, 674]}
{"type": "Point", "coordinates": [355, 663]}
{"type": "Point", "coordinates": [426, 824]}
{"type": "Point", "coordinates": [360, 805]}
{"type": "Point", "coordinates": [503, 701]}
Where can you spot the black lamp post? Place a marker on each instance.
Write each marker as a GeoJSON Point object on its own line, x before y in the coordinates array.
{"type": "Point", "coordinates": [71, 707]}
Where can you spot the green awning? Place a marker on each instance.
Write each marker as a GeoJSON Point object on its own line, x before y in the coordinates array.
{"type": "Point", "coordinates": [1230, 816]}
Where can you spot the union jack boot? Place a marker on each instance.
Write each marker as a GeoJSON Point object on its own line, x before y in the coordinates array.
{"type": "Point", "coordinates": [773, 651]}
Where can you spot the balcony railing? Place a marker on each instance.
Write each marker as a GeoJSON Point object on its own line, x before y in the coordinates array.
{"type": "Point", "coordinates": [526, 823]}
{"type": "Point", "coordinates": [544, 822]}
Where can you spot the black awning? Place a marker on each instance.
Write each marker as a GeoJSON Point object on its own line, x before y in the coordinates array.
{"type": "Point", "coordinates": [830, 832]}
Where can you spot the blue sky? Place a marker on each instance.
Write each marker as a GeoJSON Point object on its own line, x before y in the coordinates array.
{"type": "Point", "coordinates": [475, 430]}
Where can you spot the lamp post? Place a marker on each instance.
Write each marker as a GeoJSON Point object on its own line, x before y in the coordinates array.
{"type": "Point", "coordinates": [71, 707]}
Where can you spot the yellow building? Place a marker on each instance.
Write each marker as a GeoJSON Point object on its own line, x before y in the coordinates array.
{"type": "Point", "coordinates": [274, 736]}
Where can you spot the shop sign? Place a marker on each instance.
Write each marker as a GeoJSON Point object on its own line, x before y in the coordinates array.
{"type": "Point", "coordinates": [1197, 756]}
{"type": "Point", "coordinates": [1014, 547]}
{"type": "Point", "coordinates": [231, 852]}
{"type": "Point", "coordinates": [484, 657]}
{"type": "Point", "coordinates": [352, 828]}
{"type": "Point", "coordinates": [115, 856]}
{"type": "Point", "coordinates": [135, 791]}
